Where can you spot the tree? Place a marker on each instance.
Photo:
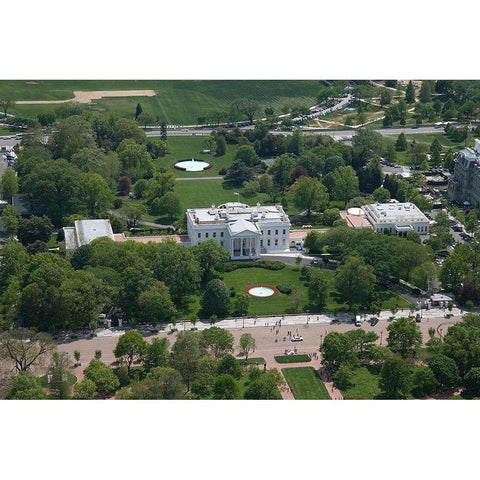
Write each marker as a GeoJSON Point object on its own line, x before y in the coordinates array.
{"type": "Point", "coordinates": [25, 386]}
{"type": "Point", "coordinates": [210, 255]}
{"type": "Point", "coordinates": [425, 95]}
{"type": "Point", "coordinates": [34, 228]}
{"type": "Point", "coordinates": [395, 378]}
{"type": "Point", "coordinates": [85, 390]}
{"type": "Point", "coordinates": [472, 381]}
{"type": "Point", "coordinates": [264, 387]}
{"type": "Point", "coordinates": [246, 344]}
{"type": "Point", "coordinates": [238, 173]}
{"type": "Point", "coordinates": [145, 119]}
{"type": "Point", "coordinates": [135, 160]}
{"type": "Point", "coordinates": [241, 303]}
{"type": "Point", "coordinates": [130, 347]}
{"type": "Point", "coordinates": [124, 185]}
{"type": "Point", "coordinates": [186, 354]}
{"type": "Point", "coordinates": [251, 188]}
{"type": "Point", "coordinates": [10, 220]}
{"type": "Point", "coordinates": [385, 97]}
{"type": "Point", "coordinates": [216, 299]}
{"type": "Point", "coordinates": [217, 341]}
{"type": "Point", "coordinates": [248, 107]}
{"type": "Point", "coordinates": [381, 195]}
{"type": "Point", "coordinates": [266, 183]}
{"type": "Point", "coordinates": [295, 145]}
{"type": "Point", "coordinates": [247, 154]}
{"type": "Point", "coordinates": [157, 354]}
{"type": "Point", "coordinates": [371, 176]}
{"type": "Point", "coordinates": [337, 350]}
{"type": "Point", "coordinates": [95, 196]}
{"type": "Point", "coordinates": [221, 146]}
{"type": "Point", "coordinates": [25, 348]}
{"type": "Point", "coordinates": [309, 193]}
{"type": "Point", "coordinates": [138, 111]}
{"type": "Point", "coordinates": [170, 205]}
{"type": "Point", "coordinates": [155, 304]}
{"type": "Point", "coordinates": [60, 371]}
{"type": "Point", "coordinates": [106, 382]}
{"type": "Point", "coordinates": [424, 382]}
{"type": "Point", "coordinates": [229, 365]}
{"type": "Point", "coordinates": [163, 131]}
{"type": "Point", "coordinates": [355, 280]}
{"type": "Point", "coordinates": [159, 185]}
{"type": "Point", "coordinates": [225, 387]}
{"type": "Point", "coordinates": [471, 221]}
{"type": "Point", "coordinates": [367, 144]}
{"type": "Point", "coordinates": [362, 341]}
{"type": "Point", "coordinates": [6, 102]}
{"type": "Point", "coordinates": [318, 288]}
{"type": "Point", "coordinates": [345, 183]}
{"type": "Point", "coordinates": [403, 336]}
{"type": "Point", "coordinates": [445, 371]}
{"type": "Point", "coordinates": [410, 93]}
{"type": "Point", "coordinates": [296, 297]}
{"type": "Point", "coordinates": [9, 184]}
{"type": "Point", "coordinates": [343, 376]}
{"type": "Point", "coordinates": [134, 213]}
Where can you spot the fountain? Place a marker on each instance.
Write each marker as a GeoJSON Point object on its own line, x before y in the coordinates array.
{"type": "Point", "coordinates": [261, 291]}
{"type": "Point", "coordinates": [193, 165]}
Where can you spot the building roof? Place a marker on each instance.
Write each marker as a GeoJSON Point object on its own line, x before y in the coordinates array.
{"type": "Point", "coordinates": [86, 231]}
{"type": "Point", "coordinates": [242, 225]}
{"type": "Point", "coordinates": [394, 213]}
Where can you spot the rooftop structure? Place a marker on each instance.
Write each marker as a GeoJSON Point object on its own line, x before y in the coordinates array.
{"type": "Point", "coordinates": [355, 217]}
{"type": "Point", "coordinates": [86, 231]}
{"type": "Point", "coordinates": [396, 218]}
{"type": "Point", "coordinates": [243, 230]}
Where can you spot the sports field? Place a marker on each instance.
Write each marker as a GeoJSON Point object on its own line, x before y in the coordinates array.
{"type": "Point", "coordinates": [175, 102]}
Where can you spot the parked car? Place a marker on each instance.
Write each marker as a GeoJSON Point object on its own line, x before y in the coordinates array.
{"type": "Point", "coordinates": [418, 318]}
{"type": "Point", "coordinates": [299, 248]}
{"type": "Point", "coordinates": [314, 262]}
{"type": "Point", "coordinates": [373, 321]}
{"type": "Point", "coordinates": [297, 338]}
{"type": "Point", "coordinates": [358, 321]}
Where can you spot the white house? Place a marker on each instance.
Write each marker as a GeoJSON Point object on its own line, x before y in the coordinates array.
{"type": "Point", "coordinates": [244, 231]}
{"type": "Point", "coordinates": [85, 231]}
{"type": "Point", "coordinates": [396, 218]}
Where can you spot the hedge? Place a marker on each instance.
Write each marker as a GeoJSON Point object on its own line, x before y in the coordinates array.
{"type": "Point", "coordinates": [266, 264]}
{"type": "Point", "coordinates": [293, 358]}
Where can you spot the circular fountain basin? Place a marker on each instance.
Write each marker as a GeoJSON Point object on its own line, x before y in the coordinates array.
{"type": "Point", "coordinates": [192, 165]}
{"type": "Point", "coordinates": [261, 291]}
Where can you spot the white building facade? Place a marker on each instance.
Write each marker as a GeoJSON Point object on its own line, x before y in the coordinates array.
{"type": "Point", "coordinates": [246, 232]}
{"type": "Point", "coordinates": [397, 218]}
{"type": "Point", "coordinates": [86, 231]}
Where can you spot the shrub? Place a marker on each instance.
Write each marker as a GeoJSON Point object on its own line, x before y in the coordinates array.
{"type": "Point", "coordinates": [266, 264]}
{"type": "Point", "coordinates": [98, 354]}
{"type": "Point", "coordinates": [222, 171]}
{"type": "Point", "coordinates": [117, 203]}
{"type": "Point", "coordinates": [286, 289]}
{"type": "Point", "coordinates": [233, 292]}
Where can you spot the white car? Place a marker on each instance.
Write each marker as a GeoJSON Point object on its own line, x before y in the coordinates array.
{"type": "Point", "coordinates": [297, 338]}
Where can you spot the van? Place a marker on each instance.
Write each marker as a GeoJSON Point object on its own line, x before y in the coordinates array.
{"type": "Point", "coordinates": [358, 321]}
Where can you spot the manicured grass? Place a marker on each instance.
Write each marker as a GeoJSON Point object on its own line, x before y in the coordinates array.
{"type": "Point", "coordinates": [364, 384]}
{"type": "Point", "coordinates": [202, 193]}
{"type": "Point", "coordinates": [305, 383]}
{"type": "Point", "coordinates": [186, 148]}
{"type": "Point", "coordinates": [292, 358]}
{"type": "Point", "coordinates": [4, 131]}
{"type": "Point", "coordinates": [176, 102]}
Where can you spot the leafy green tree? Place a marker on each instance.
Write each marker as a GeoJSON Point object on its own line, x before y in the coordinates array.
{"type": "Point", "coordinates": [10, 220]}
{"type": "Point", "coordinates": [445, 371]}
{"type": "Point", "coordinates": [424, 382]}
{"type": "Point", "coordinates": [425, 95]}
{"type": "Point", "coordinates": [248, 107]}
{"type": "Point", "coordinates": [404, 336]}
{"type": "Point", "coordinates": [355, 281]}
{"type": "Point", "coordinates": [343, 376]}
{"type": "Point", "coordinates": [85, 390]}
{"type": "Point", "coordinates": [367, 144]}
{"type": "Point", "coordinates": [318, 288]}
{"type": "Point", "coordinates": [169, 205]}
{"type": "Point", "coordinates": [134, 213]}
{"type": "Point", "coordinates": [217, 341]}
{"type": "Point", "coordinates": [247, 154]}
{"type": "Point", "coordinates": [145, 119]}
{"type": "Point", "coordinates": [385, 97]}
{"type": "Point", "coordinates": [472, 381]}
{"type": "Point", "coordinates": [159, 185]}
{"type": "Point", "coordinates": [135, 160]}
{"type": "Point", "coordinates": [25, 386]}
{"type": "Point", "coordinates": [381, 195]}
{"type": "Point", "coordinates": [96, 196]}
{"type": "Point", "coordinates": [345, 183]}
{"type": "Point", "coordinates": [246, 345]}
{"type": "Point", "coordinates": [330, 215]}
{"type": "Point", "coordinates": [264, 387]}
{"type": "Point", "coordinates": [216, 299]}
{"type": "Point", "coordinates": [410, 93]}
{"type": "Point", "coordinates": [186, 354]}
{"type": "Point", "coordinates": [25, 348]}
{"type": "Point", "coordinates": [395, 378]}
{"type": "Point", "coordinates": [371, 176]}
{"type": "Point", "coordinates": [296, 143]}
{"type": "Point", "coordinates": [9, 184]}
{"type": "Point", "coordinates": [471, 221]}
{"type": "Point", "coordinates": [266, 183]}
{"type": "Point", "coordinates": [238, 173]}
{"type": "Point", "coordinates": [71, 135]}
{"type": "Point", "coordinates": [155, 305]}
{"type": "Point", "coordinates": [229, 365]}
{"type": "Point", "coordinates": [138, 111]}
{"type": "Point", "coordinates": [226, 387]}
{"type": "Point", "coordinates": [337, 350]}
{"type": "Point", "coordinates": [281, 170]}
{"type": "Point", "coordinates": [34, 228]}
{"type": "Point", "coordinates": [210, 255]}
{"type": "Point", "coordinates": [157, 353]}
{"type": "Point", "coordinates": [309, 193]}
{"type": "Point", "coordinates": [241, 303]}
{"type": "Point", "coordinates": [106, 382]}
{"type": "Point", "coordinates": [362, 341]}
{"type": "Point", "coordinates": [221, 146]}
{"type": "Point", "coordinates": [130, 346]}
{"type": "Point", "coordinates": [60, 370]}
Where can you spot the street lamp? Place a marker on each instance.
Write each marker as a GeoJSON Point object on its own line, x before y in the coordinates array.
{"type": "Point", "coordinates": [243, 320]}
{"type": "Point", "coordinates": [381, 335]}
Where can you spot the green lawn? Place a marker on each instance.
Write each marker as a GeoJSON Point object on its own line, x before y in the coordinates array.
{"type": "Point", "coordinates": [364, 384]}
{"type": "Point", "coordinates": [252, 361]}
{"type": "Point", "coordinates": [176, 102]}
{"type": "Point", "coordinates": [292, 358]}
{"type": "Point", "coordinates": [186, 148]}
{"type": "Point", "coordinates": [305, 383]}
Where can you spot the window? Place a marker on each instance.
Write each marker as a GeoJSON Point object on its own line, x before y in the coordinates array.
{"type": "Point", "coordinates": [283, 242]}
{"type": "Point", "coordinates": [276, 232]}
{"type": "Point", "coordinates": [268, 232]}
{"type": "Point", "coordinates": [268, 242]}
{"type": "Point", "coordinates": [276, 242]}
{"type": "Point", "coordinates": [221, 243]}
{"type": "Point", "coordinates": [206, 235]}
{"type": "Point", "coordinates": [221, 234]}
{"type": "Point", "coordinates": [214, 234]}
{"type": "Point", "coordinates": [284, 231]}
{"type": "Point", "coordinates": [199, 235]}
{"type": "Point", "coordinates": [261, 243]}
